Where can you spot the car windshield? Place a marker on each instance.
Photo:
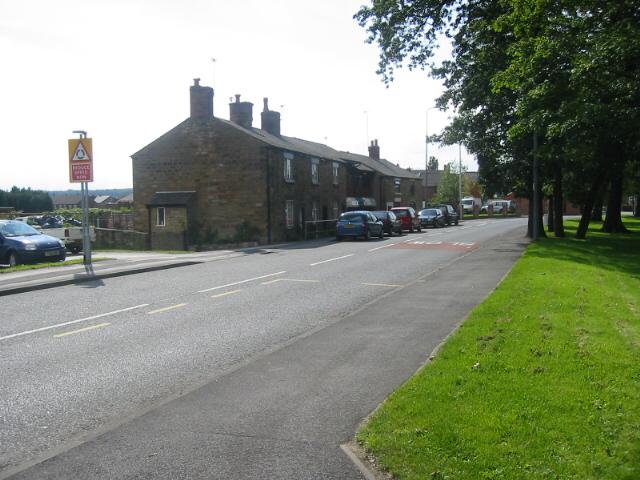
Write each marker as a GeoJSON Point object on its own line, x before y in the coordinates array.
{"type": "Point", "coordinates": [401, 213]}
{"type": "Point", "coordinates": [429, 211]}
{"type": "Point", "coordinates": [17, 229]}
{"type": "Point", "coordinates": [352, 217]}
{"type": "Point", "coordinates": [380, 215]}
{"type": "Point", "coordinates": [467, 202]}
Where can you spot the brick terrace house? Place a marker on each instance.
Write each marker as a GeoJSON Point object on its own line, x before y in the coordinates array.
{"type": "Point", "coordinates": [210, 179]}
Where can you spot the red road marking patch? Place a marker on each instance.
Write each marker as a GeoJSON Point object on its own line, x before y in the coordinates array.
{"type": "Point", "coordinates": [427, 245]}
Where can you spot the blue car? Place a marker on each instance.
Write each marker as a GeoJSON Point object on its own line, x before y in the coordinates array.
{"type": "Point", "coordinates": [359, 224]}
{"type": "Point", "coordinates": [21, 243]}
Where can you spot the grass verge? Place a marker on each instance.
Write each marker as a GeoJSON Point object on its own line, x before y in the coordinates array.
{"type": "Point", "coordinates": [36, 266]}
{"type": "Point", "coordinates": [541, 382]}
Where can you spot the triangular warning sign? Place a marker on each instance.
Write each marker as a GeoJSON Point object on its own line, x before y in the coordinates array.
{"type": "Point", "coordinates": [80, 154]}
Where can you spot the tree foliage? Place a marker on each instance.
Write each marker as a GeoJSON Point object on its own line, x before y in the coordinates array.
{"type": "Point", "coordinates": [566, 71]}
{"type": "Point", "coordinates": [26, 200]}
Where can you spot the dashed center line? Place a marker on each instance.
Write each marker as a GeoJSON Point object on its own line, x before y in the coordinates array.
{"type": "Point", "coordinates": [331, 260]}
{"type": "Point", "coordinates": [166, 309]}
{"type": "Point", "coordinates": [58, 325]}
{"type": "Point", "coordinates": [241, 282]}
{"type": "Point", "coordinates": [289, 280]}
{"type": "Point", "coordinates": [73, 332]}
{"type": "Point", "coordinates": [384, 246]}
{"type": "Point", "coordinates": [390, 285]}
{"type": "Point", "coordinates": [225, 294]}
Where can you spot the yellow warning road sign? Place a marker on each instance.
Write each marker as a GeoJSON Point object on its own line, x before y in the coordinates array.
{"type": "Point", "coordinates": [80, 160]}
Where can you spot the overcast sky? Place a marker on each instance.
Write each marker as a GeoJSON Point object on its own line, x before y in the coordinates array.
{"type": "Point", "coordinates": [121, 70]}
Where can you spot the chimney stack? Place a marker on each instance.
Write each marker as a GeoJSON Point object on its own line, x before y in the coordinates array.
{"type": "Point", "coordinates": [374, 150]}
{"type": "Point", "coordinates": [241, 112]}
{"type": "Point", "coordinates": [201, 101]}
{"type": "Point", "coordinates": [270, 120]}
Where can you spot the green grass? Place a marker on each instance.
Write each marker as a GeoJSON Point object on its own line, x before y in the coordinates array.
{"type": "Point", "coordinates": [36, 266]}
{"type": "Point", "coordinates": [541, 382]}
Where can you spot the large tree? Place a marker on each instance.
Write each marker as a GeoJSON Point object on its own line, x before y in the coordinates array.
{"type": "Point", "coordinates": [564, 71]}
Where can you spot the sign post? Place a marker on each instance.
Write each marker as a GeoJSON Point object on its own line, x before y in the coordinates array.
{"type": "Point", "coordinates": [81, 171]}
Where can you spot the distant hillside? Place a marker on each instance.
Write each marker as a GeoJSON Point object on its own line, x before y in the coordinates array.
{"type": "Point", "coordinates": [114, 192]}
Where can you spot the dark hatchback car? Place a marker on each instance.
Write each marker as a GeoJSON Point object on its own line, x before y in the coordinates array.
{"type": "Point", "coordinates": [21, 243]}
{"type": "Point", "coordinates": [390, 222]}
{"type": "Point", "coordinates": [408, 217]}
{"type": "Point", "coordinates": [450, 214]}
{"type": "Point", "coordinates": [359, 224]}
{"type": "Point", "coordinates": [433, 217]}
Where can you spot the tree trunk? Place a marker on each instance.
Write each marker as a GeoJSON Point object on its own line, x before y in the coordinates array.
{"type": "Point", "coordinates": [587, 207]}
{"type": "Point", "coordinates": [613, 221]}
{"type": "Point", "coordinates": [550, 215]}
{"type": "Point", "coordinates": [558, 202]}
{"type": "Point", "coordinates": [596, 215]}
{"type": "Point", "coordinates": [541, 232]}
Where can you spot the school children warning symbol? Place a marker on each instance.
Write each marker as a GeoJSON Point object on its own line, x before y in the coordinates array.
{"type": "Point", "coordinates": [80, 160]}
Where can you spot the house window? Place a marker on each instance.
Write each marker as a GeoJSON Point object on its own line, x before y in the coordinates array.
{"type": "Point", "coordinates": [396, 184]}
{"type": "Point", "coordinates": [336, 171]}
{"type": "Point", "coordinates": [336, 209]}
{"type": "Point", "coordinates": [315, 171]}
{"type": "Point", "coordinates": [160, 217]}
{"type": "Point", "coordinates": [288, 213]}
{"type": "Point", "coordinates": [288, 167]}
{"type": "Point", "coordinates": [315, 211]}
{"type": "Point", "coordinates": [413, 188]}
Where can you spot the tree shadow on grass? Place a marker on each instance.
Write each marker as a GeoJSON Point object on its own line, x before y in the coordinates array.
{"type": "Point", "coordinates": [614, 252]}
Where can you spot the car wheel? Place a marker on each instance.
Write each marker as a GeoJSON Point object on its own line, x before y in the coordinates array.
{"type": "Point", "coordinates": [367, 234]}
{"type": "Point", "coordinates": [456, 222]}
{"type": "Point", "coordinates": [381, 236]}
{"type": "Point", "coordinates": [411, 229]}
{"type": "Point", "coordinates": [12, 259]}
{"type": "Point", "coordinates": [419, 228]}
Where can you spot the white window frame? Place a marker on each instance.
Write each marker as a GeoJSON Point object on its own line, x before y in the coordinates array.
{"type": "Point", "coordinates": [289, 210]}
{"type": "Point", "coordinates": [164, 217]}
{"type": "Point", "coordinates": [397, 185]}
{"type": "Point", "coordinates": [288, 168]}
{"type": "Point", "coordinates": [336, 209]}
{"type": "Point", "coordinates": [336, 173]}
{"type": "Point", "coordinates": [315, 211]}
{"type": "Point", "coordinates": [315, 171]}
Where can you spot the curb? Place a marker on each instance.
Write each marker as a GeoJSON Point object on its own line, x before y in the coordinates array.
{"type": "Point", "coordinates": [89, 277]}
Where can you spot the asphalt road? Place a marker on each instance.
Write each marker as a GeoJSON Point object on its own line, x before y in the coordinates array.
{"type": "Point", "coordinates": [258, 366]}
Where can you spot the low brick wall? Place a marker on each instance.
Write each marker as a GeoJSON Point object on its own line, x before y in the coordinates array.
{"type": "Point", "coordinates": [126, 239]}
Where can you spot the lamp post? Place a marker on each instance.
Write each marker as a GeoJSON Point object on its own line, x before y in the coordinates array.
{"type": "Point", "coordinates": [460, 211]}
{"type": "Point", "coordinates": [426, 156]}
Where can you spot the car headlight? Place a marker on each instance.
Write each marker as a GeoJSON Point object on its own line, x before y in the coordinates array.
{"type": "Point", "coordinates": [30, 246]}
{"type": "Point", "coordinates": [61, 243]}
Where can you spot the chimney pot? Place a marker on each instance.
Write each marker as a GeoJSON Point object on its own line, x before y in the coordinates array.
{"type": "Point", "coordinates": [270, 120]}
{"type": "Point", "coordinates": [266, 104]}
{"type": "Point", "coordinates": [196, 82]}
{"type": "Point", "coordinates": [237, 98]}
{"type": "Point", "coordinates": [374, 150]}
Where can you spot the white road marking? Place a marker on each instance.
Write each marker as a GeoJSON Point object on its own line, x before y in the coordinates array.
{"type": "Point", "coordinates": [382, 285]}
{"type": "Point", "coordinates": [73, 332]}
{"type": "Point", "coordinates": [384, 246]}
{"type": "Point", "coordinates": [166, 309]}
{"type": "Point", "coordinates": [72, 322]}
{"type": "Point", "coordinates": [330, 260]}
{"type": "Point", "coordinates": [241, 282]}
{"type": "Point", "coordinates": [289, 280]}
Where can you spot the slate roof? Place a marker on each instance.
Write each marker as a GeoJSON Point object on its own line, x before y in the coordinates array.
{"type": "Point", "coordinates": [126, 199]}
{"type": "Point", "coordinates": [66, 199]}
{"type": "Point", "coordinates": [103, 199]}
{"type": "Point", "coordinates": [171, 199]}
{"type": "Point", "coordinates": [306, 147]}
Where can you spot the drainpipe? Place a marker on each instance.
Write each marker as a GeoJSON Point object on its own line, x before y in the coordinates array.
{"type": "Point", "coordinates": [268, 195]}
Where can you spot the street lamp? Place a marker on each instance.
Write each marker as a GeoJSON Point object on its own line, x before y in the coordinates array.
{"type": "Point", "coordinates": [426, 156]}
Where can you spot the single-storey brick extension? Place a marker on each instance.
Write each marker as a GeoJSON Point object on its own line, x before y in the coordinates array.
{"type": "Point", "coordinates": [210, 179]}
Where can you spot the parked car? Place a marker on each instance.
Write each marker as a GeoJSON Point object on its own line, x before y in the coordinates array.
{"type": "Point", "coordinates": [499, 206]}
{"type": "Point", "coordinates": [359, 224]}
{"type": "Point", "coordinates": [432, 217]}
{"type": "Point", "coordinates": [471, 205]}
{"type": "Point", "coordinates": [408, 217]}
{"type": "Point", "coordinates": [390, 222]}
{"type": "Point", "coordinates": [21, 243]}
{"type": "Point", "coordinates": [450, 214]}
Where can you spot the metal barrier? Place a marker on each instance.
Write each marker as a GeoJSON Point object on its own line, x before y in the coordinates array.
{"type": "Point", "coordinates": [319, 228]}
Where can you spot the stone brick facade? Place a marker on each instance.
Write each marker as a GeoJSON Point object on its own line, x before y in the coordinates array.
{"type": "Point", "coordinates": [249, 182]}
